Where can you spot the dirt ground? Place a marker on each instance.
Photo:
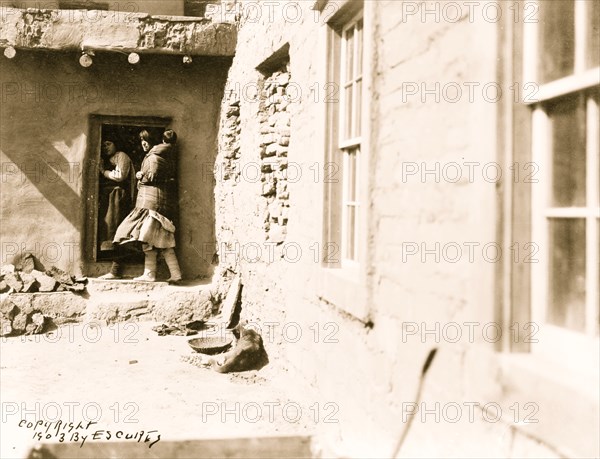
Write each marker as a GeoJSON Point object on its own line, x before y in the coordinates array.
{"type": "Point", "coordinates": [126, 378]}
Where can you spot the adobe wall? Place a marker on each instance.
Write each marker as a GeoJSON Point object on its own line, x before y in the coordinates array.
{"type": "Point", "coordinates": [371, 369]}
{"type": "Point", "coordinates": [47, 98]}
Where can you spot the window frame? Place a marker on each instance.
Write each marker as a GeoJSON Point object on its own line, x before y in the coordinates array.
{"type": "Point", "coordinates": [350, 141]}
{"type": "Point", "coordinates": [553, 341]}
{"type": "Point", "coordinates": [343, 283]}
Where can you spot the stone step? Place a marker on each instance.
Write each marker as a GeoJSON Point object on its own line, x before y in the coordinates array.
{"type": "Point", "coordinates": [96, 285]}
{"type": "Point", "coordinates": [121, 300]}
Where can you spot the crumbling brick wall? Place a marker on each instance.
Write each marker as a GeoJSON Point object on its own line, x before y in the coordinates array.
{"type": "Point", "coordinates": [275, 139]}
{"type": "Point", "coordinates": [259, 180]}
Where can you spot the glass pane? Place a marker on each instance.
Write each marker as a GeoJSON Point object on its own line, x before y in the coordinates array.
{"type": "Point", "coordinates": [351, 177]}
{"type": "Point", "coordinates": [351, 232]}
{"type": "Point", "coordinates": [348, 114]}
{"type": "Point", "coordinates": [595, 96]}
{"type": "Point", "coordinates": [566, 306]}
{"type": "Point", "coordinates": [349, 55]}
{"type": "Point", "coordinates": [567, 120]}
{"type": "Point", "coordinates": [358, 108]}
{"type": "Point", "coordinates": [593, 33]}
{"type": "Point", "coordinates": [557, 39]}
{"type": "Point", "coordinates": [359, 46]}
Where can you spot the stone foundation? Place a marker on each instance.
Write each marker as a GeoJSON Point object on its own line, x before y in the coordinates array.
{"type": "Point", "coordinates": [29, 313]}
{"type": "Point", "coordinates": [108, 302]}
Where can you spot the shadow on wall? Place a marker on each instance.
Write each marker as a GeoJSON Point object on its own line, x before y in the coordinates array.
{"type": "Point", "coordinates": [45, 168]}
{"type": "Point", "coordinates": [46, 103]}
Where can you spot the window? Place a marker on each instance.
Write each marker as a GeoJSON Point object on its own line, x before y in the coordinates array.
{"type": "Point", "coordinates": [345, 80]}
{"type": "Point", "coordinates": [350, 134]}
{"type": "Point", "coordinates": [565, 144]}
{"type": "Point", "coordinates": [346, 146]}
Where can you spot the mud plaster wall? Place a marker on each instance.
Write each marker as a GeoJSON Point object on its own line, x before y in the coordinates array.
{"type": "Point", "coordinates": [46, 100]}
{"type": "Point", "coordinates": [370, 372]}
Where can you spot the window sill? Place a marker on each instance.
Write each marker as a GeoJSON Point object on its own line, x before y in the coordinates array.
{"type": "Point", "coordinates": [566, 402]}
{"type": "Point", "coordinates": [576, 353]}
{"type": "Point", "coordinates": [342, 287]}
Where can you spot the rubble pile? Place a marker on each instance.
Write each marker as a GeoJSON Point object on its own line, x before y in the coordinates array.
{"type": "Point", "coordinates": [18, 315]}
{"type": "Point", "coordinates": [24, 278]}
{"type": "Point", "coordinates": [17, 321]}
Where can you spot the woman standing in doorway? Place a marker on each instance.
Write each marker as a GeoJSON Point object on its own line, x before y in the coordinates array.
{"type": "Point", "coordinates": [151, 221]}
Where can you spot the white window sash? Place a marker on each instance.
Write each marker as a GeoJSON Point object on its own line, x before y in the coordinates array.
{"type": "Point", "coordinates": [592, 223]}
{"type": "Point", "coordinates": [345, 137]}
{"type": "Point", "coordinates": [530, 51]}
{"type": "Point", "coordinates": [541, 150]}
{"type": "Point", "coordinates": [581, 80]}
{"type": "Point", "coordinates": [564, 86]}
{"type": "Point", "coordinates": [350, 143]}
{"type": "Point", "coordinates": [343, 79]}
{"type": "Point", "coordinates": [539, 191]}
{"type": "Point", "coordinates": [346, 203]}
{"type": "Point", "coordinates": [573, 212]}
{"type": "Point", "coordinates": [347, 142]}
{"type": "Point", "coordinates": [356, 72]}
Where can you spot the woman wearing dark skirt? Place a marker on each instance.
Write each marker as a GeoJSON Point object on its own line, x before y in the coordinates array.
{"type": "Point", "coordinates": [151, 221]}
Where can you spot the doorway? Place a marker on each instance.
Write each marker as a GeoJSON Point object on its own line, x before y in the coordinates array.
{"type": "Point", "coordinates": [110, 199]}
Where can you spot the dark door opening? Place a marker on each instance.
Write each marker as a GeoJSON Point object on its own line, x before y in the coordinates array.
{"type": "Point", "coordinates": [111, 195]}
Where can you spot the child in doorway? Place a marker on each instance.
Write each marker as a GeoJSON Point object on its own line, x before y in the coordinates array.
{"type": "Point", "coordinates": [151, 221]}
